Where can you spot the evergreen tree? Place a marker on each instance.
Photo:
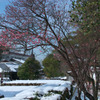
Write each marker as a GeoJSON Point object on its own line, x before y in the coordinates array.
{"type": "Point", "coordinates": [85, 19]}
{"type": "Point", "coordinates": [29, 70]}
{"type": "Point", "coordinates": [85, 15]}
{"type": "Point", "coordinates": [51, 66]}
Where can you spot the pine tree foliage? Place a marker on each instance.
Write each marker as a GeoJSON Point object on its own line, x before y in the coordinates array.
{"type": "Point", "coordinates": [29, 70]}
{"type": "Point", "coordinates": [51, 66]}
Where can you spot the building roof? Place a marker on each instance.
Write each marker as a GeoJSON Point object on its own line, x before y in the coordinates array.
{"type": "Point", "coordinates": [20, 54]}
{"type": "Point", "coordinates": [12, 66]}
{"type": "Point", "coordinates": [1, 70]}
{"type": "Point", "coordinates": [9, 66]}
{"type": "Point", "coordinates": [4, 67]}
{"type": "Point", "coordinates": [15, 53]}
{"type": "Point", "coordinates": [19, 60]}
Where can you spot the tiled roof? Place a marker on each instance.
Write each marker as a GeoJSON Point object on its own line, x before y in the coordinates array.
{"type": "Point", "coordinates": [19, 54]}
{"type": "Point", "coordinates": [9, 66]}
{"type": "Point", "coordinates": [4, 67]}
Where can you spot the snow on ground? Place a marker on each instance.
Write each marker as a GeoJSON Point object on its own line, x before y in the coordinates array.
{"type": "Point", "coordinates": [25, 92]}
{"type": "Point", "coordinates": [40, 81]}
{"type": "Point", "coordinates": [22, 92]}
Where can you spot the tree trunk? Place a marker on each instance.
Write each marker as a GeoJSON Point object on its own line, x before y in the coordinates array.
{"type": "Point", "coordinates": [87, 94]}
{"type": "Point", "coordinates": [97, 86]}
{"type": "Point", "coordinates": [79, 94]}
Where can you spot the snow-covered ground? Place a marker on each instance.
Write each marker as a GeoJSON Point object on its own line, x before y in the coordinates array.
{"type": "Point", "coordinates": [23, 92]}
{"type": "Point", "coordinates": [42, 91]}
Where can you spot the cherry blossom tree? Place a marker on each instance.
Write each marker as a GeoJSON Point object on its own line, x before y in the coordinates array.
{"type": "Point", "coordinates": [34, 23]}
